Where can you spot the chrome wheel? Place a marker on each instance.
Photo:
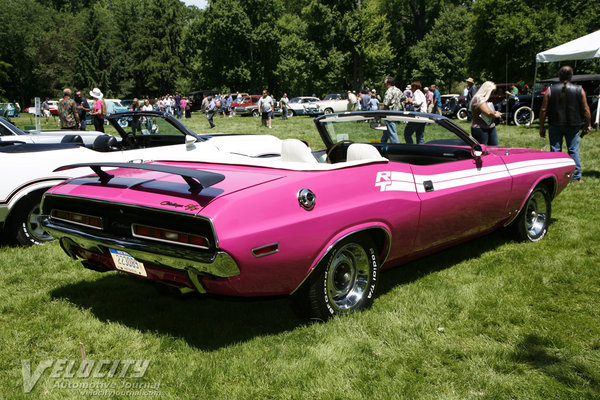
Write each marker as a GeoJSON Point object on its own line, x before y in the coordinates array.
{"type": "Point", "coordinates": [535, 214]}
{"type": "Point", "coordinates": [28, 229]}
{"type": "Point", "coordinates": [532, 222]}
{"type": "Point", "coordinates": [461, 114]}
{"type": "Point", "coordinates": [34, 227]}
{"type": "Point", "coordinates": [347, 277]}
{"type": "Point", "coordinates": [343, 282]}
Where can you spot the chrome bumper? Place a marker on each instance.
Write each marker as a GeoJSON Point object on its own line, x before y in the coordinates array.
{"type": "Point", "coordinates": [219, 264]}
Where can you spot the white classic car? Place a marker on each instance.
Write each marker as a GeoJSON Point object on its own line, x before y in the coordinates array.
{"type": "Point", "coordinates": [10, 133]}
{"type": "Point", "coordinates": [332, 103]}
{"type": "Point", "coordinates": [302, 105]}
{"type": "Point", "coordinates": [32, 165]}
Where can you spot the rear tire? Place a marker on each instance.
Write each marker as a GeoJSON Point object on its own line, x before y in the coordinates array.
{"type": "Point", "coordinates": [532, 222]}
{"type": "Point", "coordinates": [328, 111]}
{"type": "Point", "coordinates": [344, 282]}
{"type": "Point", "coordinates": [26, 226]}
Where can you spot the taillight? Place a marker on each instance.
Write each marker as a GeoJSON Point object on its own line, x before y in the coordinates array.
{"type": "Point", "coordinates": [169, 236]}
{"type": "Point", "coordinates": [91, 221]}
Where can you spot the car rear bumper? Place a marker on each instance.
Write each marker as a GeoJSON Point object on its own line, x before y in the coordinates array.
{"type": "Point", "coordinates": [184, 267]}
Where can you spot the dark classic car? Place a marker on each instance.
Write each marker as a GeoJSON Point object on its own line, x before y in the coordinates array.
{"type": "Point", "coordinates": [319, 225]}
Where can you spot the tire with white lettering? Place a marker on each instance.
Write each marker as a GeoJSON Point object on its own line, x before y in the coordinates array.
{"type": "Point", "coordinates": [532, 222]}
{"type": "Point", "coordinates": [26, 225]}
{"type": "Point", "coordinates": [344, 281]}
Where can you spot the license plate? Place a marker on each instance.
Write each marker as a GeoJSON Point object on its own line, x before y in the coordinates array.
{"type": "Point", "coordinates": [125, 262]}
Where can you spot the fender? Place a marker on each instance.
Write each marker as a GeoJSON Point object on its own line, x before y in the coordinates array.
{"type": "Point", "coordinates": [553, 194]}
{"type": "Point", "coordinates": [326, 249]}
{"type": "Point", "coordinates": [25, 189]}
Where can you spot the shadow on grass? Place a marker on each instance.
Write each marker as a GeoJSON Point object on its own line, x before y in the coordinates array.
{"type": "Point", "coordinates": [590, 174]}
{"type": "Point", "coordinates": [206, 322]}
{"type": "Point", "coordinates": [414, 270]}
{"type": "Point", "coordinates": [536, 351]}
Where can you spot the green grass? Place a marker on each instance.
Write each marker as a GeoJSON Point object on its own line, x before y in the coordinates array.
{"type": "Point", "coordinates": [488, 319]}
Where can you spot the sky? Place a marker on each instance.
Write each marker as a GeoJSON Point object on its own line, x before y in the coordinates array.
{"type": "Point", "coordinates": [197, 3]}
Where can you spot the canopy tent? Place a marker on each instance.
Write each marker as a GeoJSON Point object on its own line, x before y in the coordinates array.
{"type": "Point", "coordinates": [583, 48]}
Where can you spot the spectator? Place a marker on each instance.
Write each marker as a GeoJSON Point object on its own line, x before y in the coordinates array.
{"type": "Point", "coordinates": [406, 103]}
{"type": "Point", "coordinates": [83, 107]}
{"type": "Point", "coordinates": [284, 101]}
{"type": "Point", "coordinates": [365, 100]}
{"type": "Point", "coordinates": [135, 120]}
{"type": "Point", "coordinates": [471, 90]}
{"type": "Point", "coordinates": [67, 111]}
{"type": "Point", "coordinates": [98, 110]}
{"type": "Point", "coordinates": [392, 100]}
{"type": "Point", "coordinates": [46, 109]}
{"type": "Point", "coordinates": [228, 104]}
{"type": "Point", "coordinates": [483, 127]}
{"type": "Point", "coordinates": [374, 101]}
{"type": "Point", "coordinates": [437, 100]}
{"type": "Point", "coordinates": [210, 111]}
{"type": "Point", "coordinates": [352, 101]}
{"type": "Point", "coordinates": [177, 100]}
{"type": "Point", "coordinates": [429, 98]}
{"type": "Point", "coordinates": [419, 103]}
{"type": "Point", "coordinates": [567, 110]}
{"type": "Point", "coordinates": [265, 106]}
{"type": "Point", "coordinates": [185, 106]}
{"type": "Point", "coordinates": [17, 109]}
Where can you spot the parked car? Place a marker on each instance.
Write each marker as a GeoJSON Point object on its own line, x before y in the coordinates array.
{"type": "Point", "coordinates": [53, 104]}
{"type": "Point", "coordinates": [12, 134]}
{"type": "Point", "coordinates": [331, 103]}
{"type": "Point", "coordinates": [319, 225]}
{"type": "Point", "coordinates": [7, 110]}
{"type": "Point", "coordinates": [302, 105]}
{"type": "Point", "coordinates": [454, 106]}
{"type": "Point", "coordinates": [31, 166]}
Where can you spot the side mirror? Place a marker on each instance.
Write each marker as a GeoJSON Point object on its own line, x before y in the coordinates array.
{"type": "Point", "coordinates": [189, 140]}
{"type": "Point", "coordinates": [478, 150]}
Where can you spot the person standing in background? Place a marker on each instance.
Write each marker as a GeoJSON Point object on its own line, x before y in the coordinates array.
{"type": "Point", "coordinates": [567, 109]}
{"type": "Point", "coordinates": [67, 111]}
{"type": "Point", "coordinates": [98, 110]}
{"type": "Point", "coordinates": [437, 100]}
{"type": "Point", "coordinates": [265, 106]}
{"type": "Point", "coordinates": [392, 100]}
{"type": "Point", "coordinates": [83, 107]}
{"type": "Point", "coordinates": [284, 101]}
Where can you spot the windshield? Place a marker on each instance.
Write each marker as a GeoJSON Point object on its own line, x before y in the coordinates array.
{"type": "Point", "coordinates": [373, 128]}
{"type": "Point", "coordinates": [8, 129]}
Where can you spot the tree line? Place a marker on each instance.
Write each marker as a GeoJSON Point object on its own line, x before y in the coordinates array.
{"type": "Point", "coordinates": [149, 48]}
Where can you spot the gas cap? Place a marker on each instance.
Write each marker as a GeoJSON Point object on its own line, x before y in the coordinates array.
{"type": "Point", "coordinates": [306, 198]}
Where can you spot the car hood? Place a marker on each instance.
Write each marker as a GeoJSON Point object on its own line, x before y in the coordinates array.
{"type": "Point", "coordinates": [164, 190]}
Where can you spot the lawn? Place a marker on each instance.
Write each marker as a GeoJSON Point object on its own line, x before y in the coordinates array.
{"type": "Point", "coordinates": [488, 319]}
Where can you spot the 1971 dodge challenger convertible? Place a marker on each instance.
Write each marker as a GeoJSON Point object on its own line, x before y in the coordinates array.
{"type": "Point", "coordinates": [319, 225]}
{"type": "Point", "coordinates": [28, 168]}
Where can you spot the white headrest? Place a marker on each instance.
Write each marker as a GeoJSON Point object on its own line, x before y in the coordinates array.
{"type": "Point", "coordinates": [362, 151]}
{"type": "Point", "coordinates": [296, 151]}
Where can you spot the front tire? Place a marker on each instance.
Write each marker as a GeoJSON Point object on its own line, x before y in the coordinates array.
{"type": "Point", "coordinates": [344, 281]}
{"type": "Point", "coordinates": [523, 116]}
{"type": "Point", "coordinates": [26, 224]}
{"type": "Point", "coordinates": [328, 111]}
{"type": "Point", "coordinates": [461, 114]}
{"type": "Point", "coordinates": [532, 222]}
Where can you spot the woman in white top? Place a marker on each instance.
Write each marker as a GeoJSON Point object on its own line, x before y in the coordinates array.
{"type": "Point", "coordinates": [483, 128]}
{"type": "Point", "coordinates": [419, 103]}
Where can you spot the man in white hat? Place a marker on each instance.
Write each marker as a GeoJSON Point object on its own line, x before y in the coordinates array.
{"type": "Point", "coordinates": [98, 110]}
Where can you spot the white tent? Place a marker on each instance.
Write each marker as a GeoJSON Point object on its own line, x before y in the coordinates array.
{"type": "Point", "coordinates": [583, 48]}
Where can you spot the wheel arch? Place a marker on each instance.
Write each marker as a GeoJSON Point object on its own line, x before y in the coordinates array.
{"type": "Point", "coordinates": [26, 190]}
{"type": "Point", "coordinates": [380, 234]}
{"type": "Point", "coordinates": [551, 184]}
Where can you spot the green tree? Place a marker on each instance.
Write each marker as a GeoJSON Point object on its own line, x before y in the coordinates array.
{"type": "Point", "coordinates": [441, 57]}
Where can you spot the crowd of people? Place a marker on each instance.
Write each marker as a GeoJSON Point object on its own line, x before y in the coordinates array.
{"type": "Point", "coordinates": [564, 104]}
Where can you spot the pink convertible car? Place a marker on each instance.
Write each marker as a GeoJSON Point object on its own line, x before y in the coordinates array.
{"type": "Point", "coordinates": [319, 225]}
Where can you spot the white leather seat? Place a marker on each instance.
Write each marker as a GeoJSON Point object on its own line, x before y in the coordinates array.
{"type": "Point", "coordinates": [362, 151]}
{"type": "Point", "coordinates": [296, 151]}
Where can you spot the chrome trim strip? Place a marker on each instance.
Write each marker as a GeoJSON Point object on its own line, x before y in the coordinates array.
{"type": "Point", "coordinates": [167, 241]}
{"type": "Point", "coordinates": [219, 263]}
{"type": "Point", "coordinates": [266, 254]}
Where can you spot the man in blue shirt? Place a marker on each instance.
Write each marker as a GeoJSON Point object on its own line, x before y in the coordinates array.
{"type": "Point", "coordinates": [437, 100]}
